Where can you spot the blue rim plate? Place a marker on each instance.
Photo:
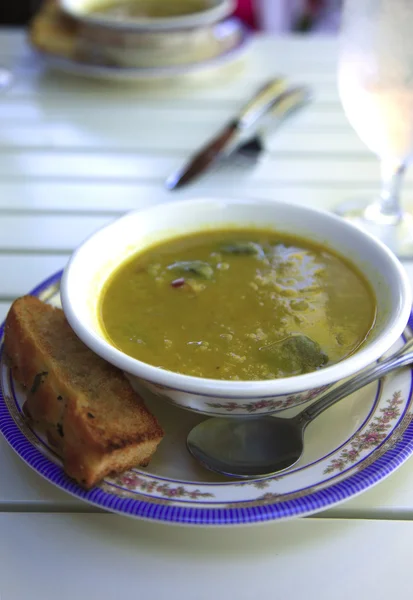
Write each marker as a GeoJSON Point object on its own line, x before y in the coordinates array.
{"type": "Point", "coordinates": [349, 449]}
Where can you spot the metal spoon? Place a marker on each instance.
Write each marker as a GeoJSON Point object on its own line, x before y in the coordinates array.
{"type": "Point", "coordinates": [257, 447]}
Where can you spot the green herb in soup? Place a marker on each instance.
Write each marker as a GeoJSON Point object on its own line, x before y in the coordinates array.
{"type": "Point", "coordinates": [239, 305]}
{"type": "Point", "coordinates": [126, 9]}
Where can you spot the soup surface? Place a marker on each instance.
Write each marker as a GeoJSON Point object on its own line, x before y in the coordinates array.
{"type": "Point", "coordinates": [239, 305]}
{"type": "Point", "coordinates": [126, 9]}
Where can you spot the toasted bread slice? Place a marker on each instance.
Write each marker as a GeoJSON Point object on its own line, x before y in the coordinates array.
{"type": "Point", "coordinates": [52, 31]}
{"type": "Point", "coordinates": [87, 408]}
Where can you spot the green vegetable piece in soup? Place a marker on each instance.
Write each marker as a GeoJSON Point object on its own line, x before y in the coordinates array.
{"type": "Point", "coordinates": [199, 268]}
{"type": "Point", "coordinates": [243, 248]}
{"type": "Point", "coordinates": [297, 354]}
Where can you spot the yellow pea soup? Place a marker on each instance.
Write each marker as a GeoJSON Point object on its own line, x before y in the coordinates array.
{"type": "Point", "coordinates": [124, 9]}
{"type": "Point", "coordinates": [237, 305]}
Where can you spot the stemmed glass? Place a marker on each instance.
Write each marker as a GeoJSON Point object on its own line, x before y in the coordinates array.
{"type": "Point", "coordinates": [375, 80]}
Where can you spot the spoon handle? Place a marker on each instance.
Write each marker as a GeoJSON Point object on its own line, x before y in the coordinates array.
{"type": "Point", "coordinates": [400, 358]}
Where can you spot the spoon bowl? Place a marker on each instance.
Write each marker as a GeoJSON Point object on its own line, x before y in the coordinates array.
{"type": "Point", "coordinates": [247, 447]}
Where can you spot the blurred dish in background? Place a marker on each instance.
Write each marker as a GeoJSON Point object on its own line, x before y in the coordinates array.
{"type": "Point", "coordinates": [98, 71]}
{"type": "Point", "coordinates": [92, 50]}
{"type": "Point", "coordinates": [160, 49]}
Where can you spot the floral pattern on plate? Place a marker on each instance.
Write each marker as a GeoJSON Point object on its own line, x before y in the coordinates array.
{"type": "Point", "coordinates": [132, 481]}
{"type": "Point", "coordinates": [370, 439]}
{"type": "Point", "coordinates": [272, 403]}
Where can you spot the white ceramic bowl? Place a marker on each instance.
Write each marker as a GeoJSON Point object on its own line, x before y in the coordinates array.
{"type": "Point", "coordinates": [215, 11]}
{"type": "Point", "coordinates": [98, 256]}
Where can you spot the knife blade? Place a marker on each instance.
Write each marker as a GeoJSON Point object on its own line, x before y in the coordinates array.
{"type": "Point", "coordinates": [220, 145]}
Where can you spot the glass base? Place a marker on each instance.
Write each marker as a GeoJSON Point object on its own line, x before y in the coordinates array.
{"type": "Point", "coordinates": [395, 232]}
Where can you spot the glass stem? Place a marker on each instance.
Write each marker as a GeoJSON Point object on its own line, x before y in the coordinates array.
{"type": "Point", "coordinates": [387, 210]}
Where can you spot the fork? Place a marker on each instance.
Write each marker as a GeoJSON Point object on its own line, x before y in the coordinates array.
{"type": "Point", "coordinates": [289, 102]}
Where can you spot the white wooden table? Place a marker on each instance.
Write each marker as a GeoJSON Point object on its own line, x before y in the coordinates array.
{"type": "Point", "coordinates": [76, 154]}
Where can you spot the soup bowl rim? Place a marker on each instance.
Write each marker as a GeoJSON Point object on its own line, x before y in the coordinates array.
{"type": "Point", "coordinates": [159, 377]}
{"type": "Point", "coordinates": [218, 10]}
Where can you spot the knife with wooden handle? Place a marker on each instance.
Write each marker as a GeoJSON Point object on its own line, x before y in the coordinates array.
{"type": "Point", "coordinates": [220, 145]}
